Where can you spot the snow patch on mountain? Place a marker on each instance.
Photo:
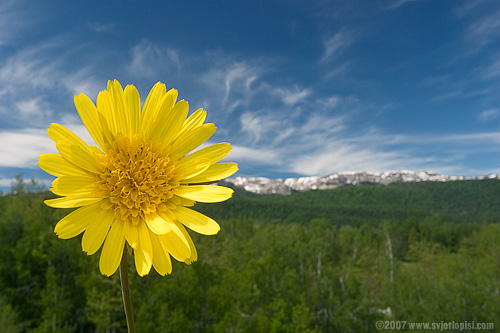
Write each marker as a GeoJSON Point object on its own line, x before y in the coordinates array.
{"type": "Point", "coordinates": [262, 185]}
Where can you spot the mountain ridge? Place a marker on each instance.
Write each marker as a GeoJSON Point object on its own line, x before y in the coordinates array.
{"type": "Point", "coordinates": [263, 185]}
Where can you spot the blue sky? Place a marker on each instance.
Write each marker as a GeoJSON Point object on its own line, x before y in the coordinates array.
{"type": "Point", "coordinates": [297, 87]}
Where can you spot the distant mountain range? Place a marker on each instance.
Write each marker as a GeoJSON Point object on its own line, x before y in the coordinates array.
{"type": "Point", "coordinates": [262, 185]}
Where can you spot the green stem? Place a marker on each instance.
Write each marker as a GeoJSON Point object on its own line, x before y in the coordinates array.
{"type": "Point", "coordinates": [127, 303]}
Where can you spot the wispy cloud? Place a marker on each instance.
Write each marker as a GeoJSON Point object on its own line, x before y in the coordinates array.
{"type": "Point", "coordinates": [29, 68]}
{"type": "Point", "coordinates": [485, 30]}
{"type": "Point", "coordinates": [334, 157]}
{"type": "Point", "coordinates": [33, 109]}
{"type": "Point", "coordinates": [338, 70]}
{"type": "Point", "coordinates": [292, 95]}
{"type": "Point", "coordinates": [493, 69]}
{"type": "Point", "coordinates": [13, 20]}
{"type": "Point", "coordinates": [337, 43]}
{"type": "Point", "coordinates": [467, 7]}
{"type": "Point", "coordinates": [231, 83]}
{"type": "Point", "coordinates": [266, 128]}
{"type": "Point", "coordinates": [47, 65]}
{"type": "Point", "coordinates": [261, 156]}
{"type": "Point", "coordinates": [100, 27]}
{"type": "Point", "coordinates": [324, 143]}
{"type": "Point", "coordinates": [148, 59]}
{"type": "Point", "coordinates": [379, 153]}
{"type": "Point", "coordinates": [398, 3]}
{"type": "Point", "coordinates": [488, 115]}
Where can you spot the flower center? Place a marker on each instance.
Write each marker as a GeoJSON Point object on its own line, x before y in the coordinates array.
{"type": "Point", "coordinates": [136, 177]}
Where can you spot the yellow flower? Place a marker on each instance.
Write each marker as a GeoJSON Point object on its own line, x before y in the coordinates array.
{"type": "Point", "coordinates": [134, 188]}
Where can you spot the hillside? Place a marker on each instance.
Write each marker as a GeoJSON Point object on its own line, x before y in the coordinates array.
{"type": "Point", "coordinates": [318, 261]}
{"type": "Point", "coordinates": [458, 201]}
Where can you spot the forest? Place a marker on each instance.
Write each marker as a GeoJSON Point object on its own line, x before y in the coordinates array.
{"type": "Point", "coordinates": [318, 261]}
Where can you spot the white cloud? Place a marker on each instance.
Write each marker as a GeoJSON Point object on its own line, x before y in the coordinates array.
{"type": "Point", "coordinates": [20, 149]}
{"type": "Point", "coordinates": [36, 85]}
{"type": "Point", "coordinates": [81, 82]}
{"type": "Point", "coordinates": [338, 70]}
{"type": "Point", "coordinates": [324, 124]}
{"type": "Point", "coordinates": [334, 157]}
{"type": "Point", "coordinates": [270, 128]}
{"type": "Point", "coordinates": [13, 19]}
{"type": "Point", "coordinates": [148, 59]}
{"type": "Point", "coordinates": [472, 139]}
{"type": "Point", "coordinates": [398, 4]}
{"type": "Point", "coordinates": [33, 110]}
{"type": "Point", "coordinates": [485, 30]}
{"type": "Point", "coordinates": [493, 70]}
{"type": "Point", "coordinates": [26, 68]}
{"type": "Point", "coordinates": [293, 95]}
{"type": "Point", "coordinates": [324, 143]}
{"type": "Point", "coordinates": [101, 27]}
{"type": "Point", "coordinates": [489, 114]}
{"type": "Point", "coordinates": [466, 7]}
{"type": "Point", "coordinates": [232, 82]}
{"type": "Point", "coordinates": [44, 67]}
{"type": "Point", "coordinates": [261, 156]}
{"type": "Point", "coordinates": [329, 103]}
{"type": "Point", "coordinates": [336, 44]}
{"type": "Point", "coordinates": [381, 152]}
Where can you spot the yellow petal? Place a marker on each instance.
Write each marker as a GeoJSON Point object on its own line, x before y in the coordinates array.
{"type": "Point", "coordinates": [56, 165]}
{"type": "Point", "coordinates": [194, 120]}
{"type": "Point", "coordinates": [157, 224]}
{"type": "Point", "coordinates": [107, 135]}
{"type": "Point", "coordinates": [215, 172]}
{"type": "Point", "coordinates": [190, 168]}
{"type": "Point", "coordinates": [112, 249]}
{"type": "Point", "coordinates": [194, 253]}
{"type": "Point", "coordinates": [95, 149]}
{"type": "Point", "coordinates": [150, 109]}
{"type": "Point", "coordinates": [131, 234]}
{"type": "Point", "coordinates": [61, 134]}
{"type": "Point", "coordinates": [175, 240]}
{"type": "Point", "coordinates": [196, 221]}
{"type": "Point", "coordinates": [76, 222]}
{"type": "Point", "coordinates": [204, 193]}
{"type": "Point", "coordinates": [179, 201]}
{"type": "Point", "coordinates": [97, 231]}
{"type": "Point", "coordinates": [161, 258]}
{"type": "Point", "coordinates": [143, 254]}
{"type": "Point", "coordinates": [90, 118]}
{"type": "Point", "coordinates": [176, 246]}
{"type": "Point", "coordinates": [72, 201]}
{"type": "Point", "coordinates": [77, 155]}
{"type": "Point", "coordinates": [192, 139]}
{"type": "Point", "coordinates": [214, 152]}
{"type": "Point", "coordinates": [118, 97]}
{"type": "Point", "coordinates": [133, 107]}
{"type": "Point", "coordinates": [69, 185]}
{"type": "Point", "coordinates": [171, 122]}
{"type": "Point", "coordinates": [106, 109]}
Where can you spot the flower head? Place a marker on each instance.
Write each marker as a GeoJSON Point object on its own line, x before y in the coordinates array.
{"type": "Point", "coordinates": [136, 186]}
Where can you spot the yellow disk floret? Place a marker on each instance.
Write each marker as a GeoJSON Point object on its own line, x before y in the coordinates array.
{"type": "Point", "coordinates": [136, 177]}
